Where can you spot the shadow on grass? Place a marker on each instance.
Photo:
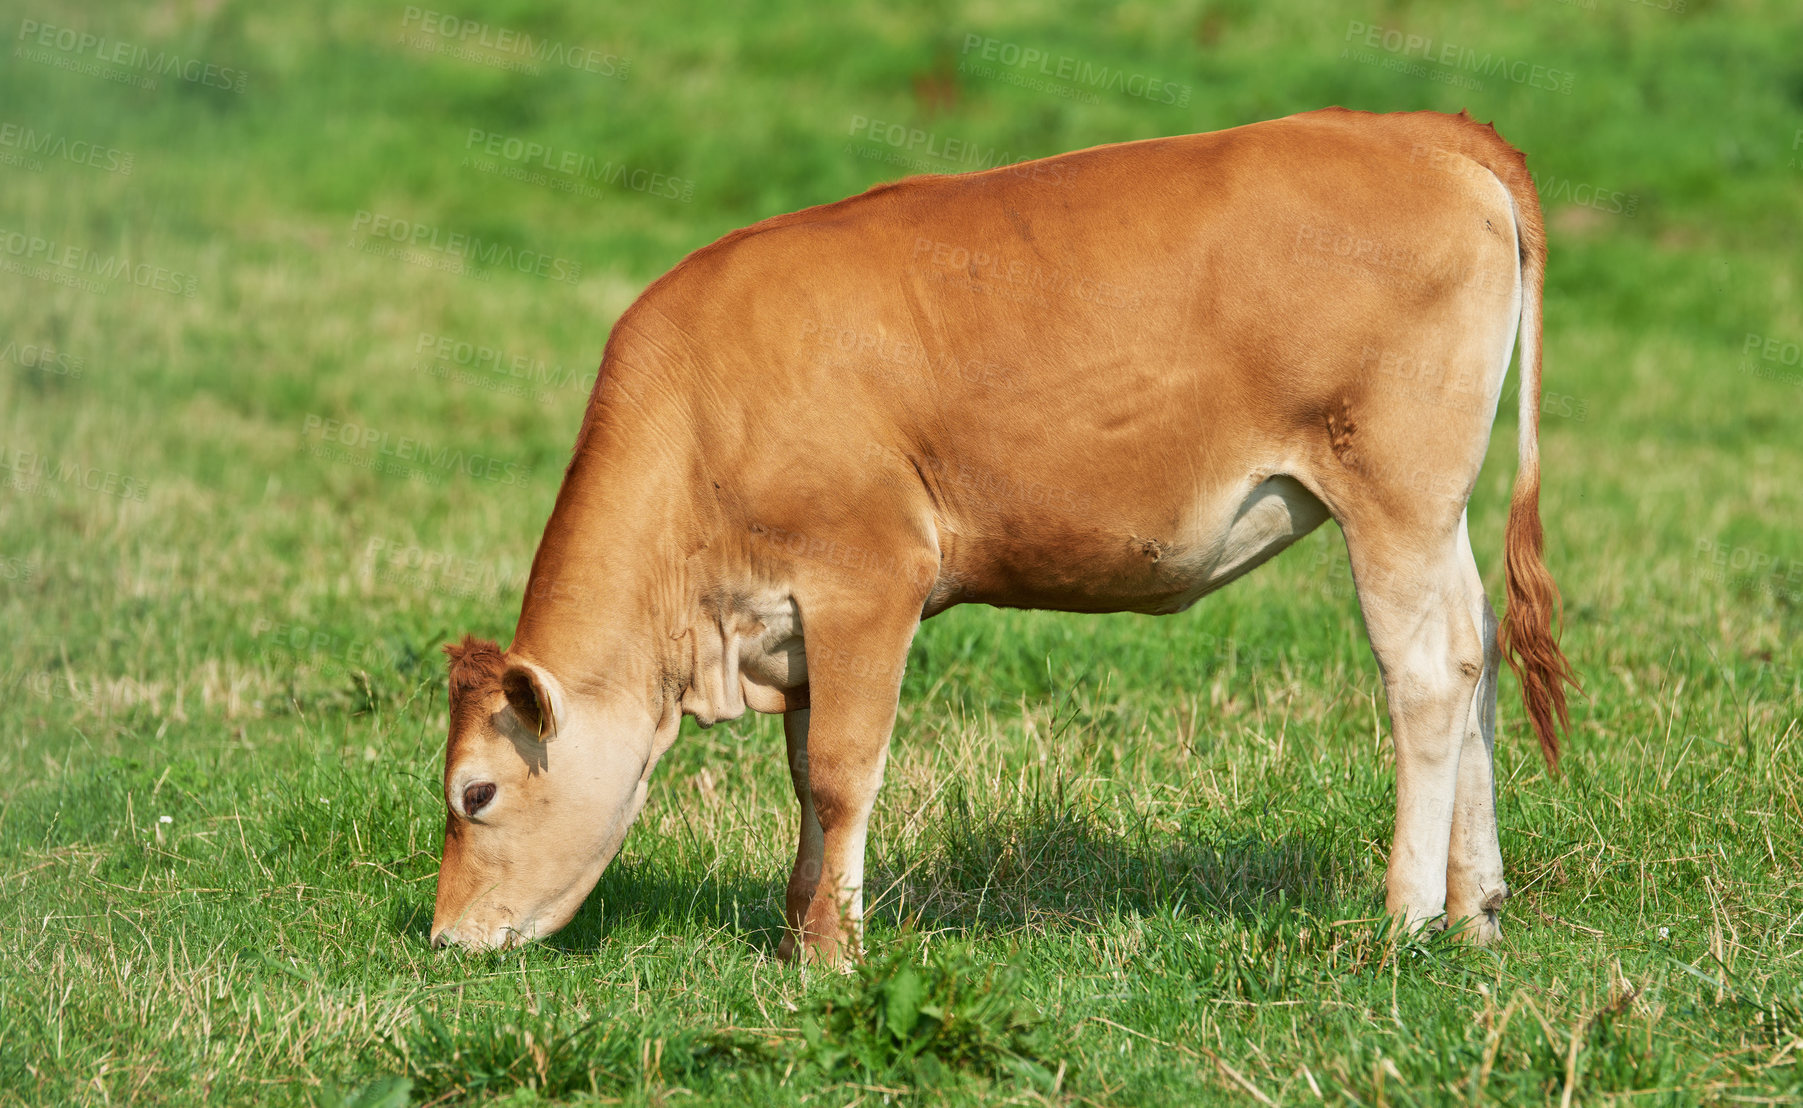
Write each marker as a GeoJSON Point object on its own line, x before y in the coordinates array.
{"type": "Point", "coordinates": [1054, 868]}
{"type": "Point", "coordinates": [1042, 867]}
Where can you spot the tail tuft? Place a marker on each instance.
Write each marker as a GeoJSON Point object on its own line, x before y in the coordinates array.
{"type": "Point", "coordinates": [1530, 626]}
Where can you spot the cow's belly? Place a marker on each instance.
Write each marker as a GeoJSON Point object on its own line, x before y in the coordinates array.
{"type": "Point", "coordinates": [1276, 513]}
{"type": "Point", "coordinates": [1102, 569]}
{"type": "Point", "coordinates": [1115, 569]}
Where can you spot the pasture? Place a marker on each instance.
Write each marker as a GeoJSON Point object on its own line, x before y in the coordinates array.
{"type": "Point", "coordinates": [298, 310]}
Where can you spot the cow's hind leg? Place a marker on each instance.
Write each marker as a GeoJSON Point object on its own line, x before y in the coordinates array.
{"type": "Point", "coordinates": [1474, 876]}
{"type": "Point", "coordinates": [1414, 587]}
{"type": "Point", "coordinates": [810, 847]}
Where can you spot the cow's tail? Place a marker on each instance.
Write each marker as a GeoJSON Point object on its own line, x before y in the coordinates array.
{"type": "Point", "coordinates": [1530, 638]}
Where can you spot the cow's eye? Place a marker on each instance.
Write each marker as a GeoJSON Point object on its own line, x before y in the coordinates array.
{"type": "Point", "coordinates": [476, 797]}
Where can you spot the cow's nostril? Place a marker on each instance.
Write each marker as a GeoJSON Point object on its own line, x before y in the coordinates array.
{"type": "Point", "coordinates": [441, 940]}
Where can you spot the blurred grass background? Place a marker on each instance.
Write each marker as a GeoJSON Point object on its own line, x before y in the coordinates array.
{"type": "Point", "coordinates": [223, 712]}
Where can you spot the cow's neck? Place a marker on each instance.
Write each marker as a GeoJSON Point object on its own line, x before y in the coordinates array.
{"type": "Point", "coordinates": [631, 592]}
{"type": "Point", "coordinates": [609, 595]}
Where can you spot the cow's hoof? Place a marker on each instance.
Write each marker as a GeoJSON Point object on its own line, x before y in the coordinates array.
{"type": "Point", "coordinates": [1414, 921]}
{"type": "Point", "coordinates": [829, 953]}
{"type": "Point", "coordinates": [818, 950]}
{"type": "Point", "coordinates": [1480, 929]}
{"type": "Point", "coordinates": [1481, 925]}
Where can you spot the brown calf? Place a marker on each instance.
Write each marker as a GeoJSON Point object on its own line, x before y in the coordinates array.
{"type": "Point", "coordinates": [1114, 380]}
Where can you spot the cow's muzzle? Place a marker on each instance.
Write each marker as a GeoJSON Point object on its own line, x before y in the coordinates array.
{"type": "Point", "coordinates": [500, 938]}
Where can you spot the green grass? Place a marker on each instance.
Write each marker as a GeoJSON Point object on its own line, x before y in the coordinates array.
{"type": "Point", "coordinates": [1118, 860]}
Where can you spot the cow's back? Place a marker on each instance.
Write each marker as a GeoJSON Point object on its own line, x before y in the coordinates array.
{"type": "Point", "coordinates": [1063, 358]}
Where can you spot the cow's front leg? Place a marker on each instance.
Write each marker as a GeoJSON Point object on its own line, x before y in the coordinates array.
{"type": "Point", "coordinates": [855, 657]}
{"type": "Point", "coordinates": [810, 847]}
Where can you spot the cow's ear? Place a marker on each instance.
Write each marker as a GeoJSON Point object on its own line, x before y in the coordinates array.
{"type": "Point", "coordinates": [532, 694]}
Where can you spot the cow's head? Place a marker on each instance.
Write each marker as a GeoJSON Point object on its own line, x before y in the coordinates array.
{"type": "Point", "coordinates": [540, 784]}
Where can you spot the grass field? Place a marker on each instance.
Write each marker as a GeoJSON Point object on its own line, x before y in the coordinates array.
{"type": "Point", "coordinates": [1119, 860]}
